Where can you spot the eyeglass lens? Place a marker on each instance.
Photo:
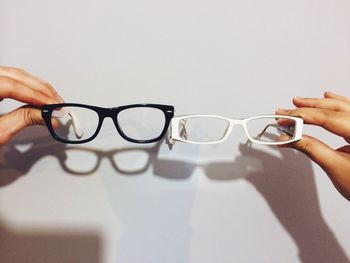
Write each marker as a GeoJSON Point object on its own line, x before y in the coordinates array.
{"type": "Point", "coordinates": [74, 123]}
{"type": "Point", "coordinates": [271, 129]}
{"type": "Point", "coordinates": [212, 129]}
{"type": "Point", "coordinates": [141, 123]}
{"type": "Point", "coordinates": [203, 129]}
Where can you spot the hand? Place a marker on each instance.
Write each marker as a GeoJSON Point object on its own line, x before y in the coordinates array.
{"type": "Point", "coordinates": [333, 114]}
{"type": "Point", "coordinates": [22, 86]}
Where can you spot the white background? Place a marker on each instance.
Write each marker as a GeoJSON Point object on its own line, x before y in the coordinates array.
{"type": "Point", "coordinates": [197, 204]}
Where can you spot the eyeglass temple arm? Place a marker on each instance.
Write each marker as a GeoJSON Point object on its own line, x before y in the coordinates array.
{"type": "Point", "coordinates": [75, 121]}
{"type": "Point", "coordinates": [278, 128]}
{"type": "Point", "coordinates": [182, 131]}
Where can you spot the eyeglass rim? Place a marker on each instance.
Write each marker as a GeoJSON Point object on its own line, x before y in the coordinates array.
{"type": "Point", "coordinates": [102, 112]}
{"type": "Point", "coordinates": [174, 135]}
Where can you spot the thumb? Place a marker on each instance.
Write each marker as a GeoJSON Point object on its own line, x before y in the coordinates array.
{"type": "Point", "coordinates": [318, 151]}
{"type": "Point", "coordinates": [13, 122]}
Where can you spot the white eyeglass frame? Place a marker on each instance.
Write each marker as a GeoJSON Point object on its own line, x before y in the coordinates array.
{"type": "Point", "coordinates": [176, 122]}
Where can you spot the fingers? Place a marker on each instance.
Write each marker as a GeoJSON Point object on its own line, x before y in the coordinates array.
{"type": "Point", "coordinates": [28, 80]}
{"type": "Point", "coordinates": [18, 119]}
{"type": "Point", "coordinates": [335, 122]}
{"type": "Point", "coordinates": [329, 94]}
{"type": "Point", "coordinates": [10, 88]}
{"type": "Point", "coordinates": [332, 113]}
{"type": "Point", "coordinates": [345, 149]}
{"type": "Point", "coordinates": [20, 85]}
{"type": "Point", "coordinates": [328, 103]}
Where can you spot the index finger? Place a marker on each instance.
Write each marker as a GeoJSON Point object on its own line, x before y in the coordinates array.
{"type": "Point", "coordinates": [28, 80]}
{"type": "Point", "coordinates": [11, 88]}
{"type": "Point", "coordinates": [329, 94]}
{"type": "Point", "coordinates": [326, 103]}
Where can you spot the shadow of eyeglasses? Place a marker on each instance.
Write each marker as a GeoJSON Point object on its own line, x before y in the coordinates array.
{"type": "Point", "coordinates": [78, 160]}
{"type": "Point", "coordinates": [20, 154]}
{"type": "Point", "coordinates": [285, 181]}
{"type": "Point", "coordinates": [117, 158]}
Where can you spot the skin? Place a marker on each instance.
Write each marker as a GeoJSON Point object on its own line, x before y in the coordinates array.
{"type": "Point", "coordinates": [22, 86]}
{"type": "Point", "coordinates": [333, 114]}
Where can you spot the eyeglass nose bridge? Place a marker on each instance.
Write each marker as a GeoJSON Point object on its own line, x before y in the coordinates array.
{"type": "Point", "coordinates": [110, 113]}
{"type": "Point", "coordinates": [233, 123]}
{"type": "Point", "coordinates": [237, 121]}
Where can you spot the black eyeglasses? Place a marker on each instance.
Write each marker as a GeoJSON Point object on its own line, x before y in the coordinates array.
{"type": "Point", "coordinates": [78, 123]}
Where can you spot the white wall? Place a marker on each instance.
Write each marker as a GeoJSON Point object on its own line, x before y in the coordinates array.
{"type": "Point", "coordinates": [198, 204]}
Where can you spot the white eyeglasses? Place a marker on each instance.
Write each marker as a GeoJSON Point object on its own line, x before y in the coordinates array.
{"type": "Point", "coordinates": [211, 129]}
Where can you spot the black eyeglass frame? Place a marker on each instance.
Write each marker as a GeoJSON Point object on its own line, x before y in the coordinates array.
{"type": "Point", "coordinates": [46, 113]}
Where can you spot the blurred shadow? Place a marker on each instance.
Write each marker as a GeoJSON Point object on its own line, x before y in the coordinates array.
{"type": "Point", "coordinates": [20, 154]}
{"type": "Point", "coordinates": [48, 245]}
{"type": "Point", "coordinates": [16, 162]}
{"type": "Point", "coordinates": [287, 183]}
{"type": "Point", "coordinates": [112, 155]}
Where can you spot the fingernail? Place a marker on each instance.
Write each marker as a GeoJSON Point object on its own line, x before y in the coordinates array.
{"type": "Point", "coordinates": [298, 98]}
{"type": "Point", "coordinates": [60, 99]}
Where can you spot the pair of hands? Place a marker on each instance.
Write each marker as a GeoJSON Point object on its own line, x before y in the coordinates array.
{"type": "Point", "coordinates": [331, 112]}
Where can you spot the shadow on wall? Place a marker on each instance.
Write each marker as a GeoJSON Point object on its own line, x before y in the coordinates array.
{"type": "Point", "coordinates": [33, 246]}
{"type": "Point", "coordinates": [288, 186]}
{"type": "Point", "coordinates": [286, 183]}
